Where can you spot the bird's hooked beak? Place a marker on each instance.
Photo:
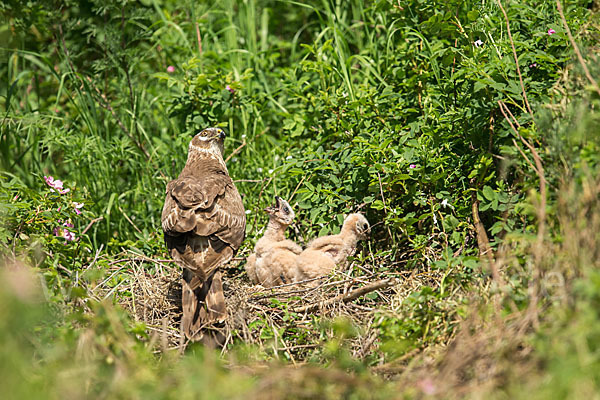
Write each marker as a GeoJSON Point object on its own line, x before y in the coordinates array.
{"type": "Point", "coordinates": [274, 207]}
{"type": "Point", "coordinates": [215, 133]}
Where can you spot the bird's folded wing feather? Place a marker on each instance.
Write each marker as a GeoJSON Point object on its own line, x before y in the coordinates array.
{"type": "Point", "coordinates": [187, 195]}
{"type": "Point", "coordinates": [227, 218]}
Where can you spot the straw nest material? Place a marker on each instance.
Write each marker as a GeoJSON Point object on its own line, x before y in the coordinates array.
{"type": "Point", "coordinates": [280, 320]}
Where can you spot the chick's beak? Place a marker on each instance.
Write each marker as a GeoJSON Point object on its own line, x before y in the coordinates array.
{"type": "Point", "coordinates": [222, 134]}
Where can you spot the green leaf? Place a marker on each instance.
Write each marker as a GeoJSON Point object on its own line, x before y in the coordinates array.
{"type": "Point", "coordinates": [473, 15]}
{"type": "Point", "coordinates": [489, 193]}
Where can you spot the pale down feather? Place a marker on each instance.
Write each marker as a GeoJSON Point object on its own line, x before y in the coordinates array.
{"type": "Point", "coordinates": [323, 254]}
{"type": "Point", "coordinates": [274, 259]}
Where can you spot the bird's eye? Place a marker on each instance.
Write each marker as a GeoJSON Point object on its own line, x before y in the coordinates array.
{"type": "Point", "coordinates": [365, 226]}
{"type": "Point", "coordinates": [286, 210]}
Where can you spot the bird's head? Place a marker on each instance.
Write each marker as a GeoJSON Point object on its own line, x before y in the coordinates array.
{"type": "Point", "coordinates": [357, 224]}
{"type": "Point", "coordinates": [209, 139]}
{"type": "Point", "coordinates": [281, 211]}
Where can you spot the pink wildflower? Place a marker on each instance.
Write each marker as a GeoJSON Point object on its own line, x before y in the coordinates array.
{"type": "Point", "coordinates": [170, 69]}
{"type": "Point", "coordinates": [231, 90]}
{"type": "Point", "coordinates": [49, 180]}
{"type": "Point", "coordinates": [56, 184]}
{"type": "Point", "coordinates": [411, 166]}
{"type": "Point", "coordinates": [77, 207]}
{"type": "Point", "coordinates": [69, 236]}
{"type": "Point", "coordinates": [64, 232]}
{"type": "Point", "coordinates": [551, 31]}
{"type": "Point", "coordinates": [532, 65]}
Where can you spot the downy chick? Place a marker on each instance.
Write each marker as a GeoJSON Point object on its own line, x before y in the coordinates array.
{"type": "Point", "coordinates": [322, 254]}
{"type": "Point", "coordinates": [274, 257]}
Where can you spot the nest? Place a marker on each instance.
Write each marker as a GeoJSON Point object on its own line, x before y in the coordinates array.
{"type": "Point", "coordinates": [285, 321]}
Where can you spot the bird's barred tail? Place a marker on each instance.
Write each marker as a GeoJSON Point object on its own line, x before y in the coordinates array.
{"type": "Point", "coordinates": [204, 309]}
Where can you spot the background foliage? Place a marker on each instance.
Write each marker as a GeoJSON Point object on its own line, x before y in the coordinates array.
{"type": "Point", "coordinates": [390, 108]}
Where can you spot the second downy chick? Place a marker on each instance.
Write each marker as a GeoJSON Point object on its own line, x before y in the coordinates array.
{"type": "Point", "coordinates": [274, 259]}
{"type": "Point", "coordinates": [322, 254]}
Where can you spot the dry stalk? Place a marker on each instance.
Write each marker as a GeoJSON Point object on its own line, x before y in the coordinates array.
{"type": "Point", "coordinates": [577, 52]}
{"type": "Point", "coordinates": [539, 247]}
{"type": "Point", "coordinates": [512, 44]}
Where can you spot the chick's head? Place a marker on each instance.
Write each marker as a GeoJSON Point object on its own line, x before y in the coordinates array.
{"type": "Point", "coordinates": [281, 211]}
{"type": "Point", "coordinates": [358, 224]}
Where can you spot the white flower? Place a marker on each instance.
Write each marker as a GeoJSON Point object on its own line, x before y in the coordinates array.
{"type": "Point", "coordinates": [434, 219]}
{"type": "Point", "coordinates": [445, 203]}
{"type": "Point", "coordinates": [270, 171]}
{"type": "Point", "coordinates": [259, 169]}
{"type": "Point", "coordinates": [248, 211]}
{"type": "Point", "coordinates": [289, 157]}
{"type": "Point", "coordinates": [244, 136]}
{"type": "Point", "coordinates": [478, 43]}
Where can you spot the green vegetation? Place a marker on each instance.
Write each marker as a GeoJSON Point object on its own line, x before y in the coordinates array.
{"type": "Point", "coordinates": [479, 178]}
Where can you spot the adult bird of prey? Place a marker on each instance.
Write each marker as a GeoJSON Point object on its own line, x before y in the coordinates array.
{"type": "Point", "coordinates": [204, 224]}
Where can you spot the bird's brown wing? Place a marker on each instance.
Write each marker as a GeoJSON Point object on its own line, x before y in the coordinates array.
{"type": "Point", "coordinates": [204, 223]}
{"type": "Point", "coordinates": [186, 196]}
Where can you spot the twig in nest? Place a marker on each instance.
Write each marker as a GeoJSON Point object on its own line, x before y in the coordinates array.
{"type": "Point", "coordinates": [345, 298]}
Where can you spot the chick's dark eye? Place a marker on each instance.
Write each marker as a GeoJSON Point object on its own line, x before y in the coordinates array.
{"type": "Point", "coordinates": [286, 210]}
{"type": "Point", "coordinates": [365, 226]}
